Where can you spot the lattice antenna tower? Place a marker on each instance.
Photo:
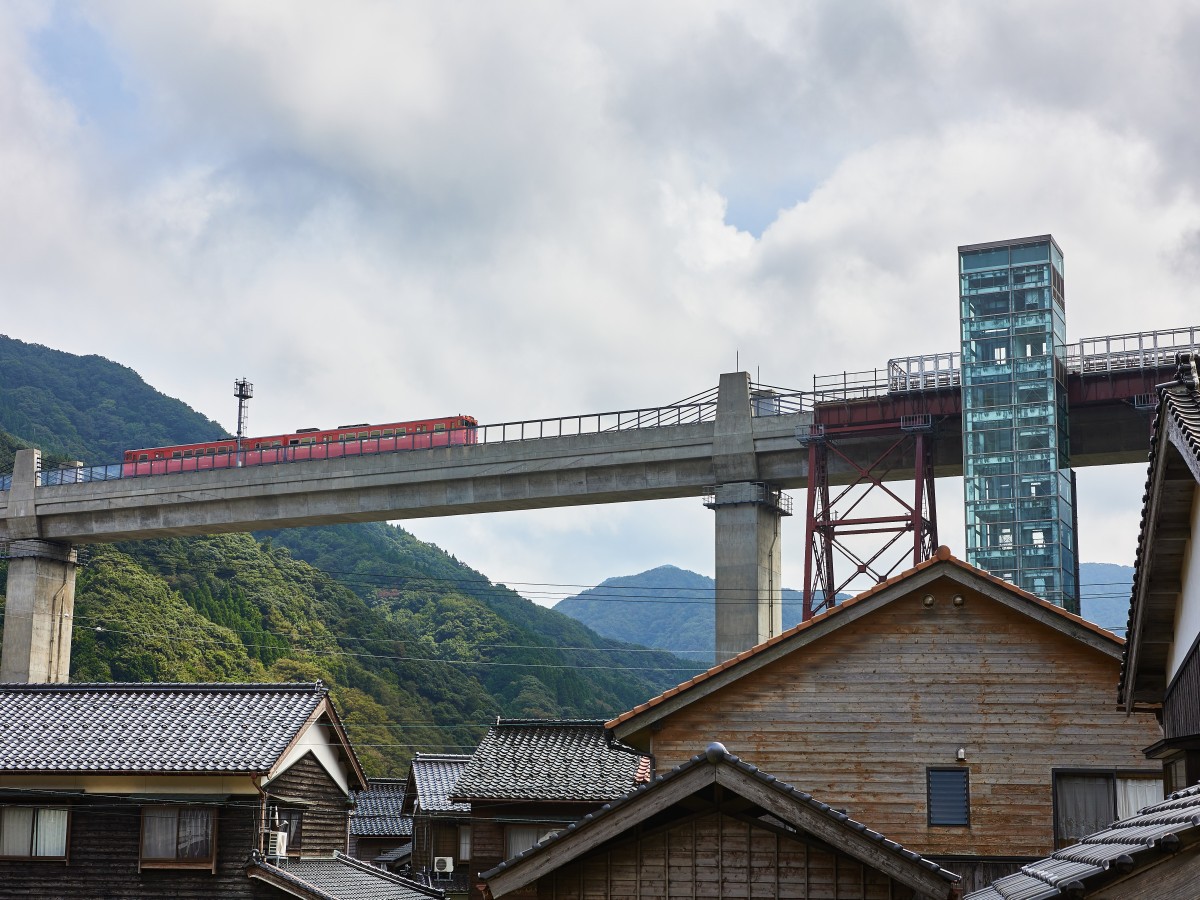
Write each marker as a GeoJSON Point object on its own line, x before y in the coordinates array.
{"type": "Point", "coordinates": [243, 390]}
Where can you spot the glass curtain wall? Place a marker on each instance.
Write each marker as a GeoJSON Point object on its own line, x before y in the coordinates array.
{"type": "Point", "coordinates": [1018, 487]}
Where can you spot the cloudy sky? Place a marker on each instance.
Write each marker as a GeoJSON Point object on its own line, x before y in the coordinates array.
{"type": "Point", "coordinates": [379, 210]}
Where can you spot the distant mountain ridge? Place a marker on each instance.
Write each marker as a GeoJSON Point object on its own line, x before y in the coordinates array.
{"type": "Point", "coordinates": [674, 609]}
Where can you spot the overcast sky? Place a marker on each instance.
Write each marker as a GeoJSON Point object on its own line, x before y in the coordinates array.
{"type": "Point", "coordinates": [379, 211]}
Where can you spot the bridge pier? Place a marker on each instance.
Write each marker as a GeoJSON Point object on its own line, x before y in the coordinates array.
{"type": "Point", "coordinates": [749, 601]}
{"type": "Point", "coordinates": [40, 597]}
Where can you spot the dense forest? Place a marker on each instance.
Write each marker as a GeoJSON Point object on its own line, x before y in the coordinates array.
{"type": "Point", "coordinates": [420, 651]}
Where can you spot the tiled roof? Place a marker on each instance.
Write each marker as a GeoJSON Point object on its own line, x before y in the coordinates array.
{"type": "Point", "coordinates": [551, 760]}
{"type": "Point", "coordinates": [943, 557]}
{"type": "Point", "coordinates": [339, 877]}
{"type": "Point", "coordinates": [378, 811]}
{"type": "Point", "coordinates": [434, 776]}
{"type": "Point", "coordinates": [717, 755]}
{"type": "Point", "coordinates": [1176, 424]}
{"type": "Point", "coordinates": [151, 727]}
{"type": "Point", "coordinates": [1133, 843]}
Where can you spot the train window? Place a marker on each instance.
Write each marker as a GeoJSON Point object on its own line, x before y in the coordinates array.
{"type": "Point", "coordinates": [187, 452]}
{"type": "Point", "coordinates": [142, 457]}
{"type": "Point", "coordinates": [292, 442]}
{"type": "Point", "coordinates": [362, 434]}
{"type": "Point", "coordinates": [440, 426]}
{"type": "Point", "coordinates": [222, 450]}
{"type": "Point", "coordinates": [258, 445]}
{"type": "Point", "coordinates": [400, 432]}
{"type": "Point", "coordinates": [420, 429]}
{"type": "Point", "coordinates": [306, 440]}
{"type": "Point", "coordinates": [388, 432]}
{"type": "Point", "coordinates": [210, 451]}
{"type": "Point", "coordinates": [374, 434]}
{"type": "Point", "coordinates": [175, 454]}
{"type": "Point", "coordinates": [276, 444]}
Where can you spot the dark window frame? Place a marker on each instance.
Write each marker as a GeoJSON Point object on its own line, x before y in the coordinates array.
{"type": "Point", "coordinates": [31, 856]}
{"type": "Point", "coordinates": [962, 771]}
{"type": "Point", "coordinates": [177, 862]}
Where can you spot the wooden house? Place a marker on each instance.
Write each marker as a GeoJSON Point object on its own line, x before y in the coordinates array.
{"type": "Point", "coordinates": [718, 827]}
{"type": "Point", "coordinates": [380, 833]}
{"type": "Point", "coordinates": [529, 779]}
{"type": "Point", "coordinates": [1162, 661]}
{"type": "Point", "coordinates": [156, 790]}
{"type": "Point", "coordinates": [959, 715]}
{"type": "Point", "coordinates": [441, 830]}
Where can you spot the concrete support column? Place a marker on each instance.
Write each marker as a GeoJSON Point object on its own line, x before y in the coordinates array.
{"type": "Point", "coordinates": [41, 588]}
{"type": "Point", "coordinates": [38, 613]}
{"type": "Point", "coordinates": [749, 595]}
{"type": "Point", "coordinates": [748, 553]}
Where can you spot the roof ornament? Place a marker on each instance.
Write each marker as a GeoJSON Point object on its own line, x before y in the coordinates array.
{"type": "Point", "coordinates": [1186, 372]}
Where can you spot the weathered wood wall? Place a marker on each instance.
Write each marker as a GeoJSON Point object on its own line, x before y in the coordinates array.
{"type": "Point", "coordinates": [717, 856]}
{"type": "Point", "coordinates": [856, 718]}
{"type": "Point", "coordinates": [325, 821]}
{"type": "Point", "coordinates": [104, 840]}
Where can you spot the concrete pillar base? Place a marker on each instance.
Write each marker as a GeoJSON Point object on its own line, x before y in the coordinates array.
{"type": "Point", "coordinates": [38, 613]}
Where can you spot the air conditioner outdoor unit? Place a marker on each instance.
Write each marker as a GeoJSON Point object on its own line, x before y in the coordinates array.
{"type": "Point", "coordinates": [277, 844]}
{"type": "Point", "coordinates": [443, 864]}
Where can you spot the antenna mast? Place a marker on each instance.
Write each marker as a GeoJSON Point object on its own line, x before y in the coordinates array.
{"type": "Point", "coordinates": [243, 390]}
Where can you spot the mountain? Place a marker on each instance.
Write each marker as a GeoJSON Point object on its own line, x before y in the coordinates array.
{"type": "Point", "coordinates": [667, 607]}
{"type": "Point", "coordinates": [420, 651]}
{"type": "Point", "coordinates": [1104, 591]}
{"type": "Point", "coordinates": [675, 607]}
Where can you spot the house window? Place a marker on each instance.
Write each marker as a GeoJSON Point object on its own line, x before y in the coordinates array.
{"type": "Point", "coordinates": [29, 831]}
{"type": "Point", "coordinates": [464, 842]}
{"type": "Point", "coordinates": [519, 838]}
{"type": "Point", "coordinates": [949, 793]}
{"type": "Point", "coordinates": [1087, 802]}
{"type": "Point", "coordinates": [178, 836]}
{"type": "Point", "coordinates": [290, 820]}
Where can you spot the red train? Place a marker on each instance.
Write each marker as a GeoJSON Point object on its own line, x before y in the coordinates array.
{"type": "Point", "coordinates": [307, 443]}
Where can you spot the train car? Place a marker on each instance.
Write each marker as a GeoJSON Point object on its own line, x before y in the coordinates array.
{"type": "Point", "coordinates": [306, 443]}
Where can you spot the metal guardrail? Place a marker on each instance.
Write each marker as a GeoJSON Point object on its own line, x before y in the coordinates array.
{"type": "Point", "coordinates": [936, 371]}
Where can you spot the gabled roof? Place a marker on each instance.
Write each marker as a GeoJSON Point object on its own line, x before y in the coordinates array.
{"type": "Point", "coordinates": [378, 811]}
{"type": "Point", "coordinates": [1165, 530]}
{"type": "Point", "coordinates": [942, 565]}
{"type": "Point", "coordinates": [551, 760]}
{"type": "Point", "coordinates": [155, 728]}
{"type": "Point", "coordinates": [762, 794]}
{"type": "Point", "coordinates": [1123, 849]}
{"type": "Point", "coordinates": [430, 782]}
{"type": "Point", "coordinates": [338, 877]}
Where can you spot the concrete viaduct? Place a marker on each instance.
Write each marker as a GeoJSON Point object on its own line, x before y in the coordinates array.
{"type": "Point", "coordinates": [739, 461]}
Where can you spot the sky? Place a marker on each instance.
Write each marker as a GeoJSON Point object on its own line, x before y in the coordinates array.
{"type": "Point", "coordinates": [390, 210]}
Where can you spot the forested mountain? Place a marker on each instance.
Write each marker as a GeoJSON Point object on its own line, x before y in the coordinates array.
{"type": "Point", "coordinates": [421, 652]}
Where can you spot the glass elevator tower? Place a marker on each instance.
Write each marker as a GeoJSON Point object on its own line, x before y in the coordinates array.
{"type": "Point", "coordinates": [1018, 488]}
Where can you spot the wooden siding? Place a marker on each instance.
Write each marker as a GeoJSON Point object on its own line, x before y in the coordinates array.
{"type": "Point", "coordinates": [718, 856]}
{"type": "Point", "coordinates": [325, 818]}
{"type": "Point", "coordinates": [857, 717]}
{"type": "Point", "coordinates": [1181, 705]}
{"type": "Point", "coordinates": [488, 829]}
{"type": "Point", "coordinates": [104, 841]}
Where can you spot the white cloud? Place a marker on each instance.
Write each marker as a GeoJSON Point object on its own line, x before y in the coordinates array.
{"type": "Point", "coordinates": [376, 209]}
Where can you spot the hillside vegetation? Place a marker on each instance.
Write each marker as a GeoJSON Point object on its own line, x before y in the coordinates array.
{"type": "Point", "coordinates": [420, 651]}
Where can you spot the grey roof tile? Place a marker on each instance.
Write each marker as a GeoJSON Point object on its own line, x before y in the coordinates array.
{"type": "Point", "coordinates": [551, 760]}
{"type": "Point", "coordinates": [151, 727]}
{"type": "Point", "coordinates": [378, 811]}
{"type": "Point", "coordinates": [1126, 844]}
{"type": "Point", "coordinates": [434, 776]}
{"type": "Point", "coordinates": [341, 877]}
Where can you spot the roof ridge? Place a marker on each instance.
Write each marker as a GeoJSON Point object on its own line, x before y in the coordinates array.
{"type": "Point", "coordinates": [133, 687]}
